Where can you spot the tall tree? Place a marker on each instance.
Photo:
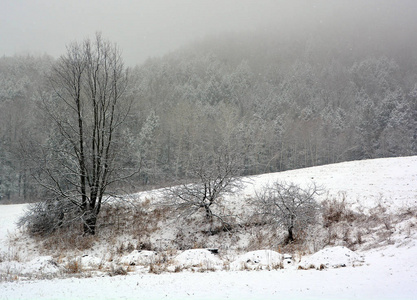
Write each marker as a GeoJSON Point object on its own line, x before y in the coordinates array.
{"type": "Point", "coordinates": [88, 108]}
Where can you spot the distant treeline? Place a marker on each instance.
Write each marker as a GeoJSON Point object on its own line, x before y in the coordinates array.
{"type": "Point", "coordinates": [282, 102]}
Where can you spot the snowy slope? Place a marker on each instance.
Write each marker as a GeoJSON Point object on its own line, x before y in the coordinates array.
{"type": "Point", "coordinates": [9, 214]}
{"type": "Point", "coordinates": [390, 180]}
{"type": "Point", "coordinates": [388, 272]}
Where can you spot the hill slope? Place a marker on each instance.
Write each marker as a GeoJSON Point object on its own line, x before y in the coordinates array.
{"type": "Point", "coordinates": [386, 269]}
{"type": "Point", "coordinates": [392, 181]}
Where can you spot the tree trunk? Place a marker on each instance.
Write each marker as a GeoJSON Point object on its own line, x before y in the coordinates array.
{"type": "Point", "coordinates": [90, 223]}
{"type": "Point", "coordinates": [290, 229]}
{"type": "Point", "coordinates": [209, 214]}
{"type": "Point", "coordinates": [290, 235]}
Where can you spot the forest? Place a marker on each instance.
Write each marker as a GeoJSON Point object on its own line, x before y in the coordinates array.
{"type": "Point", "coordinates": [276, 99]}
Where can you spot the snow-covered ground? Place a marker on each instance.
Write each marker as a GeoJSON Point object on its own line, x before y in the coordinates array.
{"type": "Point", "coordinates": [9, 214]}
{"type": "Point", "coordinates": [387, 272]}
{"type": "Point", "coordinates": [366, 182]}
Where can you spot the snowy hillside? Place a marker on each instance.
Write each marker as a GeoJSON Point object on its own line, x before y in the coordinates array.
{"type": "Point", "coordinates": [366, 182]}
{"type": "Point", "coordinates": [382, 264]}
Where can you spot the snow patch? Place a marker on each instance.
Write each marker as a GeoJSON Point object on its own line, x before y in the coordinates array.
{"type": "Point", "coordinates": [198, 258]}
{"type": "Point", "coordinates": [334, 257]}
{"type": "Point", "coordinates": [43, 265]}
{"type": "Point", "coordinates": [260, 259]}
{"type": "Point", "coordinates": [138, 257]}
{"type": "Point", "coordinates": [88, 261]}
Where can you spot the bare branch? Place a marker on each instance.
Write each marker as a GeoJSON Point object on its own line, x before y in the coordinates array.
{"type": "Point", "coordinates": [288, 205]}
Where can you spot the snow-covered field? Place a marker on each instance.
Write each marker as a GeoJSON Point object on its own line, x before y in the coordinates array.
{"type": "Point", "coordinates": [385, 272]}
{"type": "Point", "coordinates": [389, 274]}
{"type": "Point", "coordinates": [365, 183]}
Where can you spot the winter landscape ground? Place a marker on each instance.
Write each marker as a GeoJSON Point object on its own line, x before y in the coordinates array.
{"type": "Point", "coordinates": [371, 257]}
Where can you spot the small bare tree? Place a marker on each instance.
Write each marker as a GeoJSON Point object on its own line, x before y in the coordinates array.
{"type": "Point", "coordinates": [212, 176]}
{"type": "Point", "coordinates": [288, 205]}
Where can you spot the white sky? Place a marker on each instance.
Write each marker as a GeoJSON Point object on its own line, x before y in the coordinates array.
{"type": "Point", "coordinates": [143, 28]}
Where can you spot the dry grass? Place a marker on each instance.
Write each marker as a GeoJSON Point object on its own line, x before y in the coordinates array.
{"type": "Point", "coordinates": [119, 270]}
{"type": "Point", "coordinates": [113, 222]}
{"type": "Point", "coordinates": [73, 267]}
{"type": "Point", "coordinates": [157, 268]}
{"type": "Point", "coordinates": [337, 211]}
{"type": "Point", "coordinates": [67, 240]}
{"type": "Point", "coordinates": [359, 230]}
{"type": "Point", "coordinates": [123, 228]}
{"type": "Point", "coordinates": [136, 220]}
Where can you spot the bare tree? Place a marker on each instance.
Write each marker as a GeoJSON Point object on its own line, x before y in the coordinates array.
{"type": "Point", "coordinates": [288, 205]}
{"type": "Point", "coordinates": [212, 176]}
{"type": "Point", "coordinates": [88, 108]}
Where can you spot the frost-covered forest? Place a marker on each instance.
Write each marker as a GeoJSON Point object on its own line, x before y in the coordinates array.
{"type": "Point", "coordinates": [279, 99]}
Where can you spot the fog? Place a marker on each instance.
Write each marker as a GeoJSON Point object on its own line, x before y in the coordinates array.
{"type": "Point", "coordinates": [149, 28]}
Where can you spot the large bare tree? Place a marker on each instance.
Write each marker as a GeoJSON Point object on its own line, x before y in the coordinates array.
{"type": "Point", "coordinates": [88, 107]}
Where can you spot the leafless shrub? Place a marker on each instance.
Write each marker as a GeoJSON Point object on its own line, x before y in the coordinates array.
{"type": "Point", "coordinates": [115, 220]}
{"type": "Point", "coordinates": [45, 217]}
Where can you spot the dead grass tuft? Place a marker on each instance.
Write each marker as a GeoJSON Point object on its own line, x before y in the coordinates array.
{"type": "Point", "coordinates": [118, 271]}
{"type": "Point", "coordinates": [336, 211]}
{"type": "Point", "coordinates": [73, 267]}
{"type": "Point", "coordinates": [157, 268]}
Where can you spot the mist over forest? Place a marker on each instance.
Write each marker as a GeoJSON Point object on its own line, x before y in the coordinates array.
{"type": "Point", "coordinates": [309, 90]}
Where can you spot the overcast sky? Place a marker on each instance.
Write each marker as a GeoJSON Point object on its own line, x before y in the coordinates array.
{"type": "Point", "coordinates": [141, 28]}
{"type": "Point", "coordinates": [145, 28]}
